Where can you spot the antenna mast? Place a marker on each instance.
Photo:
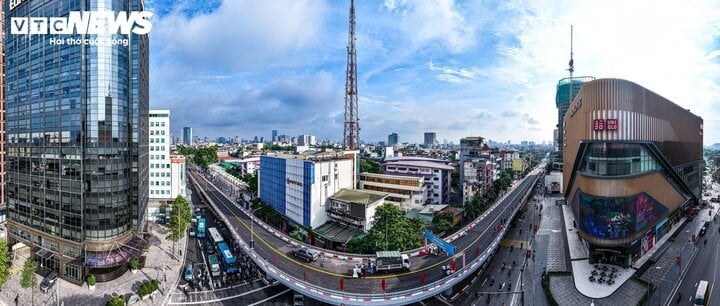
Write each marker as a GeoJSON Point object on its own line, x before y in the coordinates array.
{"type": "Point", "coordinates": [352, 129]}
{"type": "Point", "coordinates": [572, 67]}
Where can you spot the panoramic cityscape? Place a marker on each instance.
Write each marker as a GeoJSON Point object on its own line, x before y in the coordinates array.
{"type": "Point", "coordinates": [387, 152]}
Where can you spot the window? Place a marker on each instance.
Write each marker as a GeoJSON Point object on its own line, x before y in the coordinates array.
{"type": "Point", "coordinates": [72, 271]}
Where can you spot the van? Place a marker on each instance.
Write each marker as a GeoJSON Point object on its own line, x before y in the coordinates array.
{"type": "Point", "coordinates": [701, 295]}
{"type": "Point", "coordinates": [307, 254]}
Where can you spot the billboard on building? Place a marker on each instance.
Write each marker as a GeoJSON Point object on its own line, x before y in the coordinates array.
{"type": "Point", "coordinates": [615, 217]}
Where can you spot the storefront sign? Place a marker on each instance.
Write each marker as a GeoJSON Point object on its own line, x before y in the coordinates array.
{"type": "Point", "coordinates": [605, 124]}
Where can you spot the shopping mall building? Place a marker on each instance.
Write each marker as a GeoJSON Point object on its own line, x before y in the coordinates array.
{"type": "Point", "coordinates": [633, 167]}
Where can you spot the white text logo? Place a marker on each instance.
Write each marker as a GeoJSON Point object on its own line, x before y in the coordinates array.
{"type": "Point", "coordinates": [97, 23]}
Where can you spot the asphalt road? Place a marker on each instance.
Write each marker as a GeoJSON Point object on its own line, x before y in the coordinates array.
{"type": "Point", "coordinates": [327, 272]}
{"type": "Point", "coordinates": [705, 266]}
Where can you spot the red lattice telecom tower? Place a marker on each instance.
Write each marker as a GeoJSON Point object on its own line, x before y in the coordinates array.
{"type": "Point", "coordinates": [351, 139]}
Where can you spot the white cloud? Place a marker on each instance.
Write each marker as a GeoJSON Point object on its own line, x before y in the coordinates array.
{"type": "Point", "coordinates": [666, 47]}
{"type": "Point", "coordinates": [452, 75]}
{"type": "Point", "coordinates": [241, 33]}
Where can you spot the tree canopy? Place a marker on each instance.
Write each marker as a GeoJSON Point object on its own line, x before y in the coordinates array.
{"type": "Point", "coordinates": [4, 262]}
{"type": "Point", "coordinates": [202, 157]}
{"type": "Point", "coordinates": [370, 166]}
{"type": "Point", "coordinates": [393, 231]}
{"type": "Point", "coordinates": [180, 217]}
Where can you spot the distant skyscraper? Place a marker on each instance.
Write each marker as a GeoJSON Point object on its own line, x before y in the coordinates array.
{"type": "Point", "coordinates": [393, 139]}
{"type": "Point", "coordinates": [79, 200]}
{"type": "Point", "coordinates": [3, 203]}
{"type": "Point", "coordinates": [274, 135]}
{"type": "Point", "coordinates": [187, 136]}
{"type": "Point", "coordinates": [430, 139]}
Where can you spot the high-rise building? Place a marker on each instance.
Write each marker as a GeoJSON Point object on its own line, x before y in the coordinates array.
{"type": "Point", "coordinates": [187, 138]}
{"type": "Point", "coordinates": [306, 140]}
{"type": "Point", "coordinates": [632, 168]}
{"type": "Point", "coordinates": [567, 88]}
{"type": "Point", "coordinates": [79, 200]}
{"type": "Point", "coordinates": [430, 139]}
{"type": "Point", "coordinates": [3, 204]}
{"type": "Point", "coordinates": [393, 139]}
{"type": "Point", "coordinates": [274, 135]}
{"type": "Point", "coordinates": [167, 178]}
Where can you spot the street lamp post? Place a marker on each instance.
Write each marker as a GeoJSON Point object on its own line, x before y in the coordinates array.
{"type": "Point", "coordinates": [252, 229]}
{"type": "Point", "coordinates": [659, 283]}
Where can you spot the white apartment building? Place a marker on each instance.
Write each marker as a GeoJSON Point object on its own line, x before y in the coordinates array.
{"type": "Point", "coordinates": [407, 192]}
{"type": "Point", "coordinates": [165, 184]}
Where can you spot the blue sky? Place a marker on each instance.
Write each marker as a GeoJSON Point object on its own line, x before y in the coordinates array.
{"type": "Point", "coordinates": [458, 68]}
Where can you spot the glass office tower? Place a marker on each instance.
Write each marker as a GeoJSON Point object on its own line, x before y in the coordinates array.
{"type": "Point", "coordinates": [76, 118]}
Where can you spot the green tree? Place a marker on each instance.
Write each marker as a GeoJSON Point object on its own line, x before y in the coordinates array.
{"type": "Point", "coordinates": [116, 301]}
{"type": "Point", "coordinates": [370, 166]}
{"type": "Point", "coordinates": [251, 179]}
{"type": "Point", "coordinates": [295, 234]}
{"type": "Point", "coordinates": [180, 217]}
{"type": "Point", "coordinates": [4, 262]}
{"type": "Point", "coordinates": [393, 231]}
{"type": "Point", "coordinates": [356, 246]}
{"type": "Point", "coordinates": [442, 223]}
{"type": "Point", "coordinates": [27, 277]}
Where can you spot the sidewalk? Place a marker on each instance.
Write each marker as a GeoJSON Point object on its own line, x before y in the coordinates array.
{"type": "Point", "coordinates": [158, 255]}
{"type": "Point", "coordinates": [664, 271]}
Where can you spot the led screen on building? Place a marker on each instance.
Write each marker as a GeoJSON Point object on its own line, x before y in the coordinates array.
{"type": "Point", "coordinates": [618, 217]}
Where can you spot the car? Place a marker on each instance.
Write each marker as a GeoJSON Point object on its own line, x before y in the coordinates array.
{"type": "Point", "coordinates": [48, 281]}
{"type": "Point", "coordinates": [188, 275]}
{"type": "Point", "coordinates": [132, 299]}
{"type": "Point", "coordinates": [298, 299]}
{"type": "Point", "coordinates": [704, 229]}
{"type": "Point", "coordinates": [192, 232]}
{"type": "Point", "coordinates": [307, 254]}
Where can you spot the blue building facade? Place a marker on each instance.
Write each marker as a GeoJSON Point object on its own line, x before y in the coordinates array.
{"type": "Point", "coordinates": [286, 185]}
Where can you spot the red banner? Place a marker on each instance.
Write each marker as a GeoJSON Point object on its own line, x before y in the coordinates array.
{"type": "Point", "coordinates": [305, 275]}
{"type": "Point", "coordinates": [382, 284]}
{"type": "Point", "coordinates": [422, 278]}
{"type": "Point", "coordinates": [342, 284]}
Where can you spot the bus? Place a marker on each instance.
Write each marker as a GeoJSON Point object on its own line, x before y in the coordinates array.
{"type": "Point", "coordinates": [214, 265]}
{"type": "Point", "coordinates": [701, 295]}
{"type": "Point", "coordinates": [227, 258]}
{"type": "Point", "coordinates": [215, 235]}
{"type": "Point", "coordinates": [201, 228]}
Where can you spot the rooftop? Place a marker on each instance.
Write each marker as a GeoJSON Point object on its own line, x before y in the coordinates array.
{"type": "Point", "coordinates": [337, 232]}
{"type": "Point", "coordinates": [428, 163]}
{"type": "Point", "coordinates": [364, 197]}
{"type": "Point", "coordinates": [391, 176]}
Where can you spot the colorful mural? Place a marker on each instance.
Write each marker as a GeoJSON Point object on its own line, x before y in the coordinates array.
{"type": "Point", "coordinates": [615, 218]}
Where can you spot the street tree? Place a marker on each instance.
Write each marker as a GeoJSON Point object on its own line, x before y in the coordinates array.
{"type": "Point", "coordinates": [4, 262]}
{"type": "Point", "coordinates": [393, 231]}
{"type": "Point", "coordinates": [251, 179]}
{"type": "Point", "coordinates": [442, 223]}
{"type": "Point", "coordinates": [180, 217]}
{"type": "Point", "coordinates": [27, 277]}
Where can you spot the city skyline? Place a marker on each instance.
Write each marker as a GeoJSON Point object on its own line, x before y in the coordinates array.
{"type": "Point", "coordinates": [457, 68]}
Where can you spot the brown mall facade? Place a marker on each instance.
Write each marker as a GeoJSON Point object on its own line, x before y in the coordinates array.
{"type": "Point", "coordinates": [633, 167]}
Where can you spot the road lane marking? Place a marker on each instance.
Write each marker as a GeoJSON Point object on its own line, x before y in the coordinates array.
{"type": "Point", "coordinates": [270, 298]}
{"type": "Point", "coordinates": [313, 268]}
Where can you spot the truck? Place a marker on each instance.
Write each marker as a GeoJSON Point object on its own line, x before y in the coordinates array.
{"type": "Point", "coordinates": [390, 261]}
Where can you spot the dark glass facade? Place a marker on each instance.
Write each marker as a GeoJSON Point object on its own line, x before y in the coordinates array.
{"type": "Point", "coordinates": [76, 140]}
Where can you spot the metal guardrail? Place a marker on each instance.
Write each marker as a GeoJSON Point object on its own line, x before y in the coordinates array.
{"type": "Point", "coordinates": [366, 257]}
{"type": "Point", "coordinates": [350, 298]}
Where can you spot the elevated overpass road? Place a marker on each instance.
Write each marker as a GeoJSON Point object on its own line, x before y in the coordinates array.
{"type": "Point", "coordinates": [328, 271]}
